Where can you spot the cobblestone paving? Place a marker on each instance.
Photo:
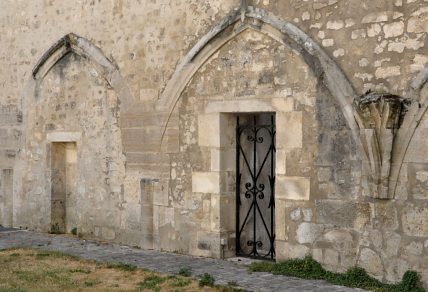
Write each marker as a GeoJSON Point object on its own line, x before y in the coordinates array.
{"type": "Point", "coordinates": [169, 263]}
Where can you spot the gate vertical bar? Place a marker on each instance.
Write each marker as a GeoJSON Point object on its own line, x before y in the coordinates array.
{"type": "Point", "coordinates": [238, 186]}
{"type": "Point", "coordinates": [255, 187]}
{"type": "Point", "coordinates": [272, 189]}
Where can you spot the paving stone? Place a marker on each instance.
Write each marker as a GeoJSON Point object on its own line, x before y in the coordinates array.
{"type": "Point", "coordinates": [169, 263]}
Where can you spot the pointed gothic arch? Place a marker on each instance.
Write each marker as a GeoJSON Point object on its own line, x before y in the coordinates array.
{"type": "Point", "coordinates": [72, 43]}
{"type": "Point", "coordinates": [415, 113]}
{"type": "Point", "coordinates": [323, 66]}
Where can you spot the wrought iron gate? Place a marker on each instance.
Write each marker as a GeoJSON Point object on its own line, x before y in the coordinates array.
{"type": "Point", "coordinates": [255, 189]}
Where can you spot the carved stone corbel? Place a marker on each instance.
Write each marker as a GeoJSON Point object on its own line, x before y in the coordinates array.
{"type": "Point", "coordinates": [381, 115]}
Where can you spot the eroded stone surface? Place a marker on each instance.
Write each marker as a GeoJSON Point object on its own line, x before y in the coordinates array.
{"type": "Point", "coordinates": [172, 186]}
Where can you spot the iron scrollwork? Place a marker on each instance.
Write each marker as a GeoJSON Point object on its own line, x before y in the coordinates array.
{"type": "Point", "coordinates": [255, 191]}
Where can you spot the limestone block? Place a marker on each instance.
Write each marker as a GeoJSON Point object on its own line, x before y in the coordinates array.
{"type": "Point", "coordinates": [70, 153]}
{"type": "Point", "coordinates": [325, 174]}
{"type": "Point", "coordinates": [393, 29]}
{"type": "Point", "coordinates": [416, 152]}
{"type": "Point", "coordinates": [392, 241]}
{"type": "Point", "coordinates": [207, 244]}
{"type": "Point", "coordinates": [317, 254]}
{"type": "Point", "coordinates": [374, 30]}
{"type": "Point", "coordinates": [166, 216]}
{"type": "Point", "coordinates": [141, 139]}
{"type": "Point", "coordinates": [328, 42]}
{"type": "Point", "coordinates": [371, 262]}
{"type": "Point", "coordinates": [281, 160]}
{"type": "Point", "coordinates": [343, 213]}
{"type": "Point", "coordinates": [242, 105]}
{"type": "Point", "coordinates": [414, 248]}
{"type": "Point", "coordinates": [206, 182]}
{"type": "Point", "coordinates": [108, 233]}
{"type": "Point", "coordinates": [283, 104]}
{"type": "Point", "coordinates": [209, 130]}
{"type": "Point", "coordinates": [385, 72]}
{"type": "Point", "coordinates": [293, 188]}
{"type": "Point", "coordinates": [339, 53]}
{"type": "Point", "coordinates": [422, 176]}
{"type": "Point", "coordinates": [308, 232]}
{"type": "Point", "coordinates": [147, 94]}
{"type": "Point", "coordinates": [160, 193]}
{"type": "Point", "coordinates": [227, 213]}
{"type": "Point", "coordinates": [63, 136]}
{"type": "Point", "coordinates": [376, 238]}
{"type": "Point", "coordinates": [341, 241]}
{"type": "Point", "coordinates": [415, 220]}
{"type": "Point", "coordinates": [289, 130]}
{"type": "Point", "coordinates": [215, 213]}
{"type": "Point", "coordinates": [137, 117]}
{"type": "Point", "coordinates": [133, 215]}
{"type": "Point", "coordinates": [331, 257]}
{"type": "Point", "coordinates": [395, 269]}
{"type": "Point", "coordinates": [418, 23]}
{"type": "Point", "coordinates": [358, 33]}
{"type": "Point", "coordinates": [285, 250]}
{"type": "Point", "coordinates": [307, 215]}
{"type": "Point", "coordinates": [295, 214]}
{"type": "Point", "coordinates": [386, 215]}
{"type": "Point", "coordinates": [280, 220]}
{"type": "Point", "coordinates": [335, 24]}
{"type": "Point", "coordinates": [375, 17]}
{"type": "Point", "coordinates": [215, 160]}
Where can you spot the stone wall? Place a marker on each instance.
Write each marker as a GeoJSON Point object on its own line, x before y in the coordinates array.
{"type": "Point", "coordinates": [149, 92]}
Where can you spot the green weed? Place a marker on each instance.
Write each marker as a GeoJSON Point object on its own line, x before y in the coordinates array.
{"type": "Point", "coordinates": [180, 282]}
{"type": "Point", "coordinates": [308, 268]}
{"type": "Point", "coordinates": [185, 272]}
{"type": "Point", "coordinates": [152, 282]}
{"type": "Point", "coordinates": [206, 280]}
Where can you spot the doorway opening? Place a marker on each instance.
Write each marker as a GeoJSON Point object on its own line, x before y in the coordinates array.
{"type": "Point", "coordinates": [255, 185]}
{"type": "Point", "coordinates": [63, 183]}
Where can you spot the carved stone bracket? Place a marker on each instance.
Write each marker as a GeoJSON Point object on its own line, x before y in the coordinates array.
{"type": "Point", "coordinates": [381, 116]}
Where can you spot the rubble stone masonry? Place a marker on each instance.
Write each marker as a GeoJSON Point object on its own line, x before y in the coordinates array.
{"type": "Point", "coordinates": [144, 95]}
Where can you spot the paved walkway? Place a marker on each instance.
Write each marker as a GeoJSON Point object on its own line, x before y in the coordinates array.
{"type": "Point", "coordinates": [169, 263]}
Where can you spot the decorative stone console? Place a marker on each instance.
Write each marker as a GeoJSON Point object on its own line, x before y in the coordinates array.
{"type": "Point", "coordinates": [380, 115]}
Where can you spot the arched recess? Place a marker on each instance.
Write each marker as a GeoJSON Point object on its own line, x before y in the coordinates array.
{"type": "Point", "coordinates": [83, 47]}
{"type": "Point", "coordinates": [115, 96]}
{"type": "Point", "coordinates": [414, 115]}
{"type": "Point", "coordinates": [283, 31]}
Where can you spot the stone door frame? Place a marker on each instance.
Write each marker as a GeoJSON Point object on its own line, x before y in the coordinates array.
{"type": "Point", "coordinates": [217, 122]}
{"type": "Point", "coordinates": [57, 137]}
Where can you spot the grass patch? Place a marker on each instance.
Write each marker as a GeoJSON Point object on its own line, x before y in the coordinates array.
{"type": "Point", "coordinates": [152, 282]}
{"type": "Point", "coordinates": [185, 272]}
{"type": "Point", "coordinates": [180, 282]}
{"type": "Point", "coordinates": [92, 282]}
{"type": "Point", "coordinates": [81, 270]}
{"type": "Point", "coordinates": [206, 280]}
{"type": "Point", "coordinates": [11, 289]}
{"type": "Point", "coordinates": [308, 268]}
{"type": "Point", "coordinates": [122, 267]}
{"type": "Point", "coordinates": [35, 270]}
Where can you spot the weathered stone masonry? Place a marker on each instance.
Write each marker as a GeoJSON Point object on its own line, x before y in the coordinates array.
{"type": "Point", "coordinates": [117, 118]}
